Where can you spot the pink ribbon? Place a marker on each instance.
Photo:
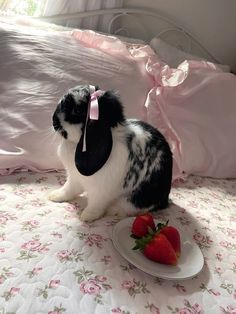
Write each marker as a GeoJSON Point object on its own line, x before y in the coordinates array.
{"type": "Point", "coordinates": [93, 111]}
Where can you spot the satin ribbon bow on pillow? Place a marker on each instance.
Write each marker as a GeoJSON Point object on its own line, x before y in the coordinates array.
{"type": "Point", "coordinates": [93, 111]}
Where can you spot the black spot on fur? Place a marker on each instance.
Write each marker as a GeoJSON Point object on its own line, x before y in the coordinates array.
{"type": "Point", "coordinates": [57, 125]}
{"type": "Point", "coordinates": [136, 158]}
{"type": "Point", "coordinates": [64, 134]}
{"type": "Point", "coordinates": [111, 109]}
{"type": "Point", "coordinates": [153, 191]}
{"type": "Point", "coordinates": [56, 122]}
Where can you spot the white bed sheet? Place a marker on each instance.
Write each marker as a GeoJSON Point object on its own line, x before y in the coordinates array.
{"type": "Point", "coordinates": [52, 263]}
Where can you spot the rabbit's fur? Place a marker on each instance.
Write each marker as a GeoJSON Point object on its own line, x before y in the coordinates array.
{"type": "Point", "coordinates": [127, 167]}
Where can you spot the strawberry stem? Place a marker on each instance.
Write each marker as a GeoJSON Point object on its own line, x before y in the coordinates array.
{"type": "Point", "coordinates": [161, 225]}
{"type": "Point", "coordinates": [151, 231]}
{"type": "Point", "coordinates": [142, 242]}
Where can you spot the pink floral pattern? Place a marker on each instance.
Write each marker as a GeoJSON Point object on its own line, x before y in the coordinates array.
{"type": "Point", "coordinates": [34, 272]}
{"type": "Point", "coordinates": [66, 266]}
{"type": "Point", "coordinates": [44, 292]}
{"type": "Point", "coordinates": [92, 239]}
{"type": "Point", "coordinates": [29, 225]}
{"type": "Point", "coordinates": [5, 273]}
{"type": "Point", "coordinates": [57, 310]}
{"type": "Point", "coordinates": [11, 293]}
{"type": "Point", "coordinates": [187, 308]}
{"type": "Point", "coordinates": [32, 248]}
{"type": "Point", "coordinates": [92, 285]}
{"type": "Point", "coordinates": [69, 255]}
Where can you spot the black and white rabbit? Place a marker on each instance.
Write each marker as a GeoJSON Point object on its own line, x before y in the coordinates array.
{"type": "Point", "coordinates": [126, 168]}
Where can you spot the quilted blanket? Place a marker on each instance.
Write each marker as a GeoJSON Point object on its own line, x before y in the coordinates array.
{"type": "Point", "coordinates": [52, 263]}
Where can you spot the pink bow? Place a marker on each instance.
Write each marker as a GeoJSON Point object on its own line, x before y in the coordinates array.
{"type": "Point", "coordinates": [93, 111]}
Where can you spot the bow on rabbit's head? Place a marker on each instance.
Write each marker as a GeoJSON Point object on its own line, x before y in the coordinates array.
{"type": "Point", "coordinates": [93, 110]}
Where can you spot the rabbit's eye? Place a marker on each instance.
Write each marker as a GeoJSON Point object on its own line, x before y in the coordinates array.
{"type": "Point", "coordinates": [76, 110]}
{"type": "Point", "coordinates": [66, 104]}
{"type": "Point", "coordinates": [75, 114]}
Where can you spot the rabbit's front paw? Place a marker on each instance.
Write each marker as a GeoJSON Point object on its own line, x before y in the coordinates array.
{"type": "Point", "coordinates": [89, 215]}
{"type": "Point", "coordinates": [57, 196]}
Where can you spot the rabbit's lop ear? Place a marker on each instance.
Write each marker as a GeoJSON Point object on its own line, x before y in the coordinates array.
{"type": "Point", "coordinates": [98, 135]}
{"type": "Point", "coordinates": [98, 148]}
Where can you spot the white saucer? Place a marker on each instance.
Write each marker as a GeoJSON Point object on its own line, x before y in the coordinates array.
{"type": "Point", "coordinates": [189, 265]}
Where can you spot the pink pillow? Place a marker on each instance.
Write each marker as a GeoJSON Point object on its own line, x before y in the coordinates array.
{"type": "Point", "coordinates": [194, 107]}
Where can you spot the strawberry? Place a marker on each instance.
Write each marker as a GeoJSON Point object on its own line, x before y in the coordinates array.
{"type": "Point", "coordinates": [172, 234]}
{"type": "Point", "coordinates": [142, 224]}
{"type": "Point", "coordinates": [157, 248]}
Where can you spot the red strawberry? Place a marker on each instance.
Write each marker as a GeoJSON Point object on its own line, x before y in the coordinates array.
{"type": "Point", "coordinates": [141, 225]}
{"type": "Point", "coordinates": [157, 248]}
{"type": "Point", "coordinates": [173, 236]}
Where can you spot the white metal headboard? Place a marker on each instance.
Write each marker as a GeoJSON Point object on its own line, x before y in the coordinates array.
{"type": "Point", "coordinates": [184, 40]}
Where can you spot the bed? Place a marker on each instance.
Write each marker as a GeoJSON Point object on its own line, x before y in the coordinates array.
{"type": "Point", "coordinates": [50, 261]}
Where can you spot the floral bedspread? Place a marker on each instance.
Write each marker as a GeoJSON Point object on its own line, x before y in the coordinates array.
{"type": "Point", "coordinates": [52, 263]}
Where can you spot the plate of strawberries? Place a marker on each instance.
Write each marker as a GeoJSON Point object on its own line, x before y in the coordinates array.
{"type": "Point", "coordinates": [157, 248]}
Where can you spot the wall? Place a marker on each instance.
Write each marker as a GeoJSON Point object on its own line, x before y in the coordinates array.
{"type": "Point", "coordinates": [212, 21]}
